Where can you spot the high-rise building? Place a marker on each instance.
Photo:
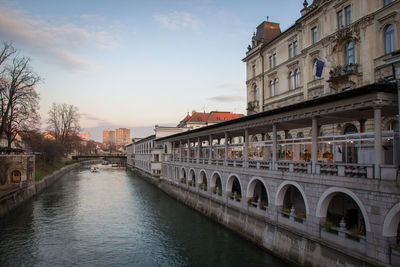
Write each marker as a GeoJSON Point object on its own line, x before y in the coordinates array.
{"type": "Point", "coordinates": [123, 136]}
{"type": "Point", "coordinates": [109, 137]}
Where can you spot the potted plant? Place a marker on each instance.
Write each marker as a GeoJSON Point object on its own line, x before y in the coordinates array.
{"type": "Point", "coordinates": [238, 197]}
{"type": "Point", "coordinates": [327, 225]}
{"type": "Point", "coordinates": [190, 183]}
{"type": "Point", "coordinates": [263, 205]}
{"type": "Point", "coordinates": [301, 216]}
{"type": "Point", "coordinates": [286, 210]}
{"type": "Point", "coordinates": [356, 232]}
{"type": "Point", "coordinates": [214, 190]}
{"type": "Point", "coordinates": [249, 201]}
{"type": "Point", "coordinates": [220, 192]}
{"type": "Point", "coordinates": [231, 195]}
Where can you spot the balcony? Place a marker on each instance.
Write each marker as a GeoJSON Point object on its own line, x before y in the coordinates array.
{"type": "Point", "coordinates": [343, 77]}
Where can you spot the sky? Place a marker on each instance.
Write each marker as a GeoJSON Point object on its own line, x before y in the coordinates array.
{"type": "Point", "coordinates": [136, 64]}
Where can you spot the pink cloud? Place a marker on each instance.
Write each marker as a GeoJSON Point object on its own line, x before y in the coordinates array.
{"type": "Point", "coordinates": [55, 42]}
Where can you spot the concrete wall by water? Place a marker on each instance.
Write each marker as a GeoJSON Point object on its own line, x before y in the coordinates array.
{"type": "Point", "coordinates": [288, 244]}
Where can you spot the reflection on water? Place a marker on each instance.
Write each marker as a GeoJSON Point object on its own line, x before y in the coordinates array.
{"type": "Point", "coordinates": [114, 218]}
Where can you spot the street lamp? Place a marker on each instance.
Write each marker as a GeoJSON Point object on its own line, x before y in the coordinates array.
{"type": "Point", "coordinates": [394, 60]}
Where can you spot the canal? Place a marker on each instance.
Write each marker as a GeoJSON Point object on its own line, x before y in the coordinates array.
{"type": "Point", "coordinates": [114, 218]}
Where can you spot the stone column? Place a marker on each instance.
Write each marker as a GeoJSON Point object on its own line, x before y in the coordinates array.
{"type": "Point", "coordinates": [180, 151]}
{"type": "Point", "coordinates": [210, 149]}
{"type": "Point", "coordinates": [188, 151]}
{"type": "Point", "coordinates": [246, 148]}
{"type": "Point", "coordinates": [173, 150]}
{"type": "Point", "coordinates": [198, 149]}
{"type": "Point", "coordinates": [226, 149]}
{"type": "Point", "coordinates": [274, 146]}
{"type": "Point", "coordinates": [314, 144]}
{"type": "Point", "coordinates": [378, 141]}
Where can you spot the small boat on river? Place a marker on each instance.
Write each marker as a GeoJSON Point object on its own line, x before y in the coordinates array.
{"type": "Point", "coordinates": [94, 169]}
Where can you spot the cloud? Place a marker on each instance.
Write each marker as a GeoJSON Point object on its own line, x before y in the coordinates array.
{"type": "Point", "coordinates": [94, 121]}
{"type": "Point", "coordinates": [232, 86]}
{"type": "Point", "coordinates": [178, 20]}
{"type": "Point", "coordinates": [227, 98]}
{"type": "Point", "coordinates": [55, 42]}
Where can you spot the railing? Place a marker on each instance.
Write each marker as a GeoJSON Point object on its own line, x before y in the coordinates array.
{"type": "Point", "coordinates": [334, 169]}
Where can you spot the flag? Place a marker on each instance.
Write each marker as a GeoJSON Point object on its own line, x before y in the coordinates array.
{"type": "Point", "coordinates": [318, 67]}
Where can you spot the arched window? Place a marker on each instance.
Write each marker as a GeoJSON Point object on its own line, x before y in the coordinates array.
{"type": "Point", "coordinates": [255, 92]}
{"type": "Point", "coordinates": [349, 54]}
{"type": "Point", "coordinates": [291, 81]}
{"type": "Point", "coordinates": [350, 129]}
{"type": "Point", "coordinates": [389, 39]}
{"type": "Point", "coordinates": [271, 88]}
{"type": "Point", "coordinates": [296, 78]}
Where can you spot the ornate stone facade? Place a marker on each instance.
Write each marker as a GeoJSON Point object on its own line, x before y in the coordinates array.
{"type": "Point", "coordinates": [271, 63]}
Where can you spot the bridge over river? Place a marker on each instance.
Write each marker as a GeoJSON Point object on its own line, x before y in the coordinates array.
{"type": "Point", "coordinates": [114, 218]}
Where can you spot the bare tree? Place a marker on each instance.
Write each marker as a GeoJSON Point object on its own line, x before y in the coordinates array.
{"type": "Point", "coordinates": [23, 116]}
{"type": "Point", "coordinates": [17, 94]}
{"type": "Point", "coordinates": [63, 121]}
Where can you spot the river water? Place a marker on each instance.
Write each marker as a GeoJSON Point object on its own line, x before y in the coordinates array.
{"type": "Point", "coordinates": [114, 218]}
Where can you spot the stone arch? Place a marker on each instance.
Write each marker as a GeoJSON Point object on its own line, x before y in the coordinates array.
{"type": "Point", "coordinates": [280, 194]}
{"type": "Point", "coordinates": [203, 178]}
{"type": "Point", "coordinates": [16, 176]}
{"type": "Point", "coordinates": [215, 177]}
{"type": "Point", "coordinates": [183, 174]}
{"type": "Point", "coordinates": [326, 197]}
{"type": "Point", "coordinates": [192, 177]}
{"type": "Point", "coordinates": [234, 184]}
{"type": "Point", "coordinates": [252, 186]}
{"type": "Point", "coordinates": [391, 222]}
{"type": "Point", "coordinates": [349, 128]}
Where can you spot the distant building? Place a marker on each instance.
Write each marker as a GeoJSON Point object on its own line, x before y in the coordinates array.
{"type": "Point", "coordinates": [200, 119]}
{"type": "Point", "coordinates": [145, 154]}
{"type": "Point", "coordinates": [84, 136]}
{"type": "Point", "coordinates": [123, 136]}
{"type": "Point", "coordinates": [109, 137]}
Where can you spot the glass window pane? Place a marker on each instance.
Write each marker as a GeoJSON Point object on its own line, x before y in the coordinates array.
{"type": "Point", "coordinates": [347, 10]}
{"type": "Point", "coordinates": [340, 19]}
{"type": "Point", "coordinates": [314, 35]}
{"type": "Point", "coordinates": [295, 48]}
{"type": "Point", "coordinates": [389, 39]}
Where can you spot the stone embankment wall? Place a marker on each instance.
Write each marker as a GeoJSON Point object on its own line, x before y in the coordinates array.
{"type": "Point", "coordinates": [14, 198]}
{"type": "Point", "coordinates": [292, 246]}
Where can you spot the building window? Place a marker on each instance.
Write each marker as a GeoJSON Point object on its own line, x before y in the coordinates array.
{"type": "Point", "coordinates": [295, 53]}
{"type": "Point", "coordinates": [296, 78]}
{"type": "Point", "coordinates": [314, 35]}
{"type": "Point", "coordinates": [291, 80]}
{"type": "Point", "coordinates": [255, 92]}
{"type": "Point", "coordinates": [349, 54]}
{"type": "Point", "coordinates": [290, 50]}
{"type": "Point", "coordinates": [271, 88]}
{"type": "Point", "coordinates": [274, 59]}
{"type": "Point", "coordinates": [387, 2]}
{"type": "Point", "coordinates": [270, 62]}
{"type": "Point", "coordinates": [340, 19]}
{"type": "Point", "coordinates": [389, 39]}
{"type": "Point", "coordinates": [254, 70]}
{"type": "Point", "coordinates": [273, 85]}
{"type": "Point", "coordinates": [347, 11]}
